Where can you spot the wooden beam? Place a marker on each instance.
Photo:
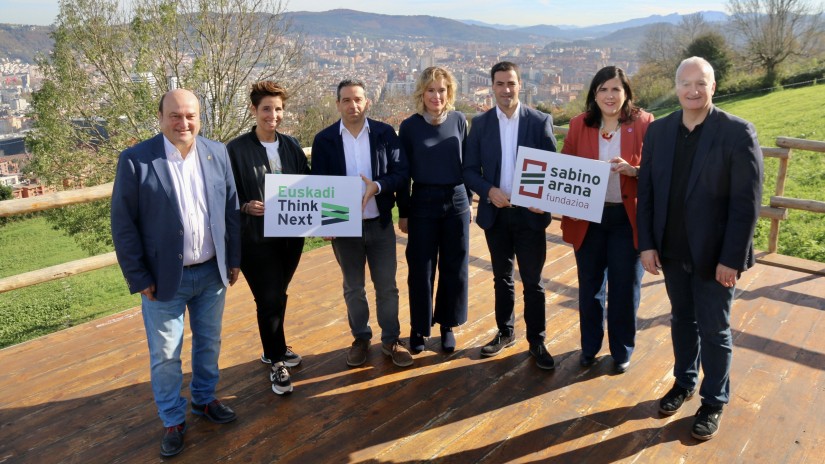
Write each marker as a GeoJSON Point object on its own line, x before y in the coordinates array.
{"type": "Point", "coordinates": [813, 206]}
{"type": "Point", "coordinates": [57, 272]}
{"type": "Point", "coordinates": [55, 200]}
{"type": "Point", "coordinates": [773, 213]}
{"type": "Point", "coordinates": [800, 144]}
{"type": "Point", "coordinates": [772, 152]}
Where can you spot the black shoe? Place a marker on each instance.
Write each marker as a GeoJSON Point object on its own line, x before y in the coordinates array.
{"type": "Point", "coordinates": [707, 421]}
{"type": "Point", "coordinates": [543, 358]}
{"type": "Point", "coordinates": [674, 399]}
{"type": "Point", "coordinates": [215, 411]}
{"type": "Point", "coordinates": [416, 342]}
{"type": "Point", "coordinates": [497, 344]}
{"type": "Point", "coordinates": [172, 442]}
{"type": "Point", "coordinates": [620, 368]}
{"type": "Point", "coordinates": [586, 361]}
{"type": "Point", "coordinates": [447, 339]}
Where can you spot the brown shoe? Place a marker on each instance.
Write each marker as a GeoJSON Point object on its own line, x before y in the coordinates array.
{"type": "Point", "coordinates": [401, 357]}
{"type": "Point", "coordinates": [358, 352]}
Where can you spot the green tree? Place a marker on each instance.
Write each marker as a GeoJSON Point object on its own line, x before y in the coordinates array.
{"type": "Point", "coordinates": [112, 61]}
{"type": "Point", "coordinates": [775, 30]}
{"type": "Point", "coordinates": [5, 192]}
{"type": "Point", "coordinates": [713, 47]}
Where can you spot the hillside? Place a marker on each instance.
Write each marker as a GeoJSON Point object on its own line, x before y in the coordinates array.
{"type": "Point", "coordinates": [791, 113]}
{"type": "Point", "coordinates": [24, 42]}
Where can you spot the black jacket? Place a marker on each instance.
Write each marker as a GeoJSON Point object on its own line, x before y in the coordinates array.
{"type": "Point", "coordinates": [389, 163]}
{"type": "Point", "coordinates": [250, 164]}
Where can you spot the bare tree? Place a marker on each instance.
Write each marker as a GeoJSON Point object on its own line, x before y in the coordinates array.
{"type": "Point", "coordinates": [111, 62]}
{"type": "Point", "coordinates": [774, 30]}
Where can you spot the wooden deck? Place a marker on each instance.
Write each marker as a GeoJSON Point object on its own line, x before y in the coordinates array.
{"type": "Point", "coordinates": [82, 395]}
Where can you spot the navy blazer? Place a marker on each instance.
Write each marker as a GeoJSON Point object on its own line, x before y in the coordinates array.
{"type": "Point", "coordinates": [147, 229]}
{"type": "Point", "coordinates": [482, 159]}
{"type": "Point", "coordinates": [723, 195]}
{"type": "Point", "coordinates": [389, 164]}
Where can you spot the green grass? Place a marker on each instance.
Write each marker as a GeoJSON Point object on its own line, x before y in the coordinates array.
{"type": "Point", "coordinates": [797, 113]}
{"type": "Point", "coordinates": [30, 312]}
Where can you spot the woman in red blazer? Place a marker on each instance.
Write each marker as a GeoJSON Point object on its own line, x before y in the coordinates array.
{"type": "Point", "coordinates": [612, 130]}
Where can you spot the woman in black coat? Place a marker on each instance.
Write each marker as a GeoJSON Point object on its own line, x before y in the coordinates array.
{"type": "Point", "coordinates": [268, 263]}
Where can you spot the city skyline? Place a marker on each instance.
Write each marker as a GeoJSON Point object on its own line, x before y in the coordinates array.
{"type": "Point", "coordinates": [515, 12]}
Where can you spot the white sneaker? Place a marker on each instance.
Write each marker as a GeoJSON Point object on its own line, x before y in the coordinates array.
{"type": "Point", "coordinates": [279, 376]}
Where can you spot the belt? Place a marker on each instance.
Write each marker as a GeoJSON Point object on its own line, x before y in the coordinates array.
{"type": "Point", "coordinates": [372, 219]}
{"type": "Point", "coordinates": [193, 266]}
{"type": "Point", "coordinates": [608, 204]}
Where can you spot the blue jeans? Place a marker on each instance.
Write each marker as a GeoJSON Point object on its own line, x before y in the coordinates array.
{"type": "Point", "coordinates": [202, 291]}
{"type": "Point", "coordinates": [376, 247]}
{"type": "Point", "coordinates": [700, 328]}
{"type": "Point", "coordinates": [606, 260]}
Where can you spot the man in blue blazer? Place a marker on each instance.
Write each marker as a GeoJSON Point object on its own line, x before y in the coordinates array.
{"type": "Point", "coordinates": [700, 189]}
{"type": "Point", "coordinates": [176, 231]}
{"type": "Point", "coordinates": [358, 146]}
{"type": "Point", "coordinates": [511, 231]}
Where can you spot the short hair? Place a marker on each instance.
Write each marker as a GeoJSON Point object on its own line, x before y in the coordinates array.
{"type": "Point", "coordinates": [698, 61]}
{"type": "Point", "coordinates": [348, 83]}
{"type": "Point", "coordinates": [504, 66]}
{"type": "Point", "coordinates": [593, 114]}
{"type": "Point", "coordinates": [431, 74]}
{"type": "Point", "coordinates": [266, 89]}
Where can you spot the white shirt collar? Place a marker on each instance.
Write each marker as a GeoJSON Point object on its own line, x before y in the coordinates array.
{"type": "Point", "coordinates": [172, 152]}
{"type": "Point", "coordinates": [502, 115]}
{"type": "Point", "coordinates": [342, 128]}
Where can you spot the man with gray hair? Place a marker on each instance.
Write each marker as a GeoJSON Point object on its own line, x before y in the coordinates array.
{"type": "Point", "coordinates": [700, 187]}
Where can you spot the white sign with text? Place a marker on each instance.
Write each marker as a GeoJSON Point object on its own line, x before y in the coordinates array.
{"type": "Point", "coordinates": [561, 184]}
{"type": "Point", "coordinates": [312, 206]}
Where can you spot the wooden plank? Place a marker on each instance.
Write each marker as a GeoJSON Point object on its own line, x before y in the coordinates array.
{"type": "Point", "coordinates": [791, 263]}
{"type": "Point", "coordinates": [58, 271]}
{"type": "Point", "coordinates": [83, 394]}
{"type": "Point", "coordinates": [800, 144]}
{"type": "Point", "coordinates": [55, 200]}
{"type": "Point", "coordinates": [796, 203]}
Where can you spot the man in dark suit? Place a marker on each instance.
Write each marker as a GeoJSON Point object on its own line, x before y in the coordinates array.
{"type": "Point", "coordinates": [700, 187]}
{"type": "Point", "coordinates": [358, 146]}
{"type": "Point", "coordinates": [511, 231]}
{"type": "Point", "coordinates": [176, 231]}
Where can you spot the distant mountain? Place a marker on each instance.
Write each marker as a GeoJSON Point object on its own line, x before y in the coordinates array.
{"type": "Point", "coordinates": [567, 32]}
{"type": "Point", "coordinates": [24, 42]}
{"type": "Point", "coordinates": [343, 23]}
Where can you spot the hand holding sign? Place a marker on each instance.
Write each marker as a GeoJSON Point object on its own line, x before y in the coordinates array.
{"type": "Point", "coordinates": [562, 184]}
{"type": "Point", "coordinates": [372, 190]}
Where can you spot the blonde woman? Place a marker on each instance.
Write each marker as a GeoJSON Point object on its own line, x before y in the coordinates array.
{"type": "Point", "coordinates": [436, 216]}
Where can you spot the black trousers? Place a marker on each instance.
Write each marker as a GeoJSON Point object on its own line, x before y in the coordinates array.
{"type": "Point", "coordinates": [511, 237]}
{"type": "Point", "coordinates": [438, 240]}
{"type": "Point", "coordinates": [268, 268]}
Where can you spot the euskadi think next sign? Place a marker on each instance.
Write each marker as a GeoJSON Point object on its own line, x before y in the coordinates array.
{"type": "Point", "coordinates": [312, 206]}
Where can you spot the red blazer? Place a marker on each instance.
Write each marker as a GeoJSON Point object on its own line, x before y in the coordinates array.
{"type": "Point", "coordinates": [582, 140]}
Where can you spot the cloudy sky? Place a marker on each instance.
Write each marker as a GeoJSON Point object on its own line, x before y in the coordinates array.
{"type": "Point", "coordinates": [516, 12]}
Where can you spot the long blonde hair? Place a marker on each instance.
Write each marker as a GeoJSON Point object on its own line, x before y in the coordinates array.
{"type": "Point", "coordinates": [434, 73]}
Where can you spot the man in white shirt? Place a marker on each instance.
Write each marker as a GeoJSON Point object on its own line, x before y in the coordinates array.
{"type": "Point", "coordinates": [511, 231]}
{"type": "Point", "coordinates": [358, 146]}
{"type": "Point", "coordinates": [176, 231]}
